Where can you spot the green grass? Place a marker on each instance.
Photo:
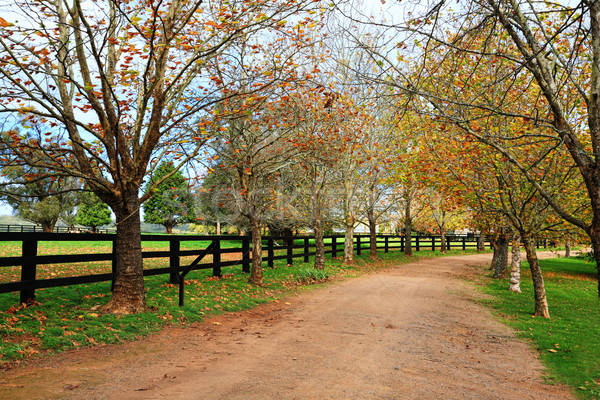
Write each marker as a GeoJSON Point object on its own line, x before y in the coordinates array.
{"type": "Point", "coordinates": [569, 342]}
{"type": "Point", "coordinates": [70, 317]}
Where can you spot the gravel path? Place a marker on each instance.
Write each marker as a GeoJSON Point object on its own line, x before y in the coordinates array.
{"type": "Point", "coordinates": [408, 332]}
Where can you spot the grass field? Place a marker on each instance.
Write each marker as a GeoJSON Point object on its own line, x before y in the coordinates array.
{"type": "Point", "coordinates": [70, 317]}
{"type": "Point", "coordinates": [569, 342]}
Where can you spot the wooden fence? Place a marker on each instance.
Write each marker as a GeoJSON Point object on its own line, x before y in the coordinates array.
{"type": "Point", "coordinates": [274, 248]}
{"type": "Point", "coordinates": [57, 229]}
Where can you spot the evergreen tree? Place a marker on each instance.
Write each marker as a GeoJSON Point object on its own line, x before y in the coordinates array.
{"type": "Point", "coordinates": [171, 202]}
{"type": "Point", "coordinates": [92, 212]}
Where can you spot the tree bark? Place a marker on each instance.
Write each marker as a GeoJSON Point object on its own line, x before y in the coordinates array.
{"type": "Point", "coordinates": [169, 228]}
{"type": "Point", "coordinates": [494, 254]}
{"type": "Point", "coordinates": [541, 303]}
{"type": "Point", "coordinates": [443, 247]}
{"type": "Point", "coordinates": [218, 228]}
{"type": "Point", "coordinates": [372, 234]}
{"type": "Point", "coordinates": [480, 242]}
{"type": "Point", "coordinates": [501, 267]}
{"type": "Point", "coordinates": [128, 294]}
{"type": "Point", "coordinates": [349, 242]}
{"type": "Point", "coordinates": [256, 272]}
{"type": "Point", "coordinates": [407, 229]}
{"type": "Point", "coordinates": [318, 228]}
{"type": "Point", "coordinates": [349, 221]}
{"type": "Point", "coordinates": [567, 248]}
{"type": "Point", "coordinates": [515, 267]}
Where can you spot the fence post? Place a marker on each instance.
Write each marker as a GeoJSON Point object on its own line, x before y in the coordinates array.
{"type": "Point", "coordinates": [246, 254]}
{"type": "Point", "coordinates": [464, 244]}
{"type": "Point", "coordinates": [386, 245]}
{"type": "Point", "coordinates": [270, 252]}
{"type": "Point", "coordinates": [401, 243]}
{"type": "Point", "coordinates": [333, 247]}
{"type": "Point", "coordinates": [306, 250]}
{"type": "Point", "coordinates": [114, 264]}
{"type": "Point", "coordinates": [174, 247]}
{"type": "Point", "coordinates": [290, 250]}
{"type": "Point", "coordinates": [28, 272]}
{"type": "Point", "coordinates": [417, 243]}
{"type": "Point", "coordinates": [433, 243]}
{"type": "Point", "coordinates": [357, 245]}
{"type": "Point", "coordinates": [217, 257]}
{"type": "Point", "coordinates": [448, 242]}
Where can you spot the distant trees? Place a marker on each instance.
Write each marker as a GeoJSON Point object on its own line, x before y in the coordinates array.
{"type": "Point", "coordinates": [171, 202]}
{"type": "Point", "coordinates": [92, 212]}
{"type": "Point", "coordinates": [37, 197]}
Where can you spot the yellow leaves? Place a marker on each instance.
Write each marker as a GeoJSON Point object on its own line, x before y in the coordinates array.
{"type": "Point", "coordinates": [4, 24]}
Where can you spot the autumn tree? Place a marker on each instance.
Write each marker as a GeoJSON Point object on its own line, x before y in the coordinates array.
{"type": "Point", "coordinates": [119, 86]}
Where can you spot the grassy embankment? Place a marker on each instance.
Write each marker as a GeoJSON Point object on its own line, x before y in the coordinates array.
{"type": "Point", "coordinates": [569, 342]}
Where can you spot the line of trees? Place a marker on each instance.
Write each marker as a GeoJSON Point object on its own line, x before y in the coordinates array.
{"type": "Point", "coordinates": [303, 115]}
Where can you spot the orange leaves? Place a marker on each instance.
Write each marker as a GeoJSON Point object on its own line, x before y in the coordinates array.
{"type": "Point", "coordinates": [4, 24]}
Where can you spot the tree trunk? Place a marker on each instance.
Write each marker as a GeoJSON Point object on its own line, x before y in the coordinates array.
{"type": "Point", "coordinates": [595, 237]}
{"type": "Point", "coordinates": [407, 229]}
{"type": "Point", "coordinates": [256, 273]}
{"type": "Point", "coordinates": [218, 228]}
{"type": "Point", "coordinates": [349, 242]}
{"type": "Point", "coordinates": [494, 244]}
{"type": "Point", "coordinates": [48, 226]}
{"type": "Point", "coordinates": [481, 242]}
{"type": "Point", "coordinates": [567, 248]}
{"type": "Point", "coordinates": [169, 228]}
{"type": "Point", "coordinates": [372, 234]}
{"type": "Point", "coordinates": [515, 267]}
{"type": "Point", "coordinates": [349, 221]}
{"type": "Point", "coordinates": [443, 247]}
{"type": "Point", "coordinates": [408, 240]}
{"type": "Point", "coordinates": [128, 294]}
{"type": "Point", "coordinates": [541, 303]}
{"type": "Point", "coordinates": [318, 228]}
{"type": "Point", "coordinates": [501, 270]}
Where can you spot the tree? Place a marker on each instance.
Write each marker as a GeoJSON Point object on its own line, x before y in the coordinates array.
{"type": "Point", "coordinates": [119, 86]}
{"type": "Point", "coordinates": [37, 197]}
{"type": "Point", "coordinates": [171, 202]}
{"type": "Point", "coordinates": [92, 212]}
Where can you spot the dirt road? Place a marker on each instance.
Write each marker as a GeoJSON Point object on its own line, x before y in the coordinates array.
{"type": "Point", "coordinates": [409, 332]}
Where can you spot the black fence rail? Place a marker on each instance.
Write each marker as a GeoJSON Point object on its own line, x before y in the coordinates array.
{"type": "Point", "coordinates": [7, 228]}
{"type": "Point", "coordinates": [274, 248]}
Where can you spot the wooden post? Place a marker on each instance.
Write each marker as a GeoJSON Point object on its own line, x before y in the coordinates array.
{"type": "Point", "coordinates": [333, 247]}
{"type": "Point", "coordinates": [174, 247]}
{"type": "Point", "coordinates": [357, 245]}
{"type": "Point", "coordinates": [433, 243]}
{"type": "Point", "coordinates": [448, 242]}
{"type": "Point", "coordinates": [28, 272]}
{"type": "Point", "coordinates": [417, 243]}
{"type": "Point", "coordinates": [114, 264]}
{"type": "Point", "coordinates": [401, 243]}
{"type": "Point", "coordinates": [270, 253]}
{"type": "Point", "coordinates": [386, 245]}
{"type": "Point", "coordinates": [217, 258]}
{"type": "Point", "coordinates": [306, 250]}
{"type": "Point", "coordinates": [464, 244]}
{"type": "Point", "coordinates": [246, 254]}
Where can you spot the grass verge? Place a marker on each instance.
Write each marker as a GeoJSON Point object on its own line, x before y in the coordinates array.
{"type": "Point", "coordinates": [69, 317]}
{"type": "Point", "coordinates": [569, 342]}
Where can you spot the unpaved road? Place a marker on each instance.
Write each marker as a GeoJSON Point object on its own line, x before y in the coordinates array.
{"type": "Point", "coordinates": [408, 332]}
